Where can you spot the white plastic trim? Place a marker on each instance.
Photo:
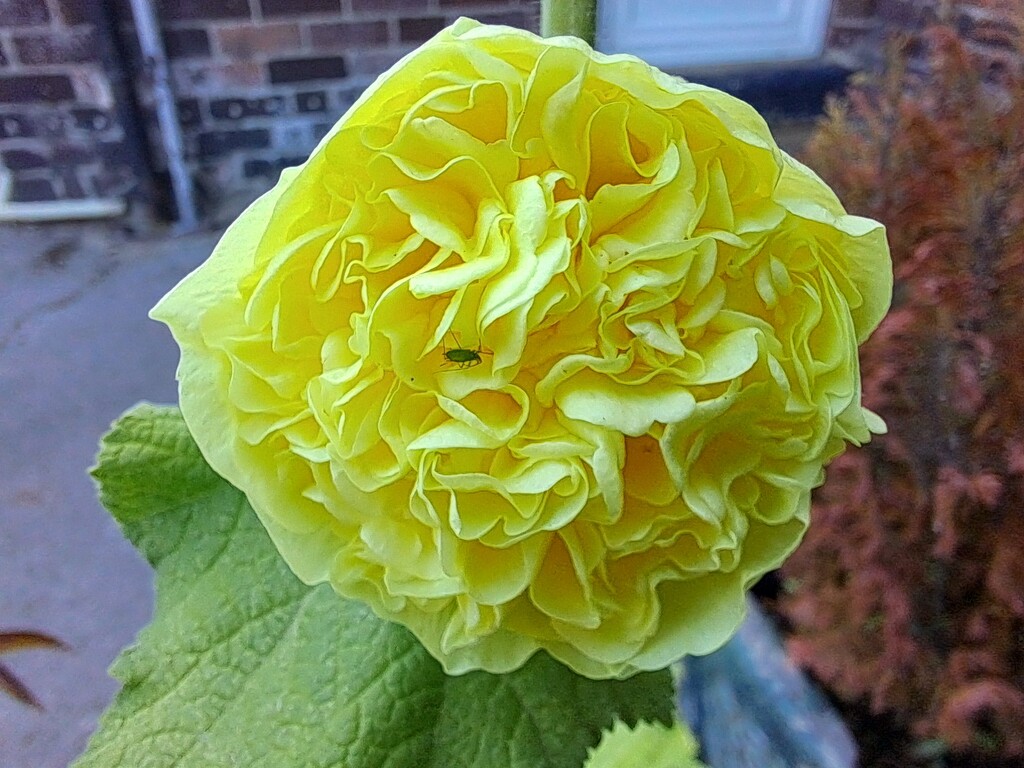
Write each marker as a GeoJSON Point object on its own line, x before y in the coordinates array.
{"type": "Point", "coordinates": [691, 33]}
{"type": "Point", "coordinates": [55, 210]}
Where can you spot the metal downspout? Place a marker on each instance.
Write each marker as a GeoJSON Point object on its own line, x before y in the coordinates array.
{"type": "Point", "coordinates": [154, 59]}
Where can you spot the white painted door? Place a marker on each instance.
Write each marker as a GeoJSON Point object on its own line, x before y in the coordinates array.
{"type": "Point", "coordinates": [692, 33]}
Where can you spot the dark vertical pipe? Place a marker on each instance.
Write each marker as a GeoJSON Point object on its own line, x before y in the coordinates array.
{"type": "Point", "coordinates": [117, 64]}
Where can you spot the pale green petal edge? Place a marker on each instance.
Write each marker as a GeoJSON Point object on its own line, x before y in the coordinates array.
{"type": "Point", "coordinates": [649, 745]}
{"type": "Point", "coordinates": [869, 264]}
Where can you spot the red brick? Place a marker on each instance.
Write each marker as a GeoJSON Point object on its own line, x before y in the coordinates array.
{"type": "Point", "coordinates": [910, 13]}
{"type": "Point", "coordinates": [307, 69]}
{"type": "Point", "coordinates": [246, 40]}
{"type": "Point", "coordinates": [23, 159]}
{"type": "Point", "coordinates": [217, 143]}
{"type": "Point", "coordinates": [252, 169]}
{"type": "Point", "coordinates": [361, 6]}
{"type": "Point", "coordinates": [189, 112]}
{"type": "Point", "coordinates": [68, 153]}
{"type": "Point", "coordinates": [483, 6]}
{"type": "Point", "coordinates": [76, 11]}
{"type": "Point", "coordinates": [299, 7]}
{"type": "Point", "coordinates": [372, 62]}
{"type": "Point", "coordinates": [16, 127]}
{"type": "Point", "coordinates": [23, 13]}
{"type": "Point", "coordinates": [191, 78]}
{"type": "Point", "coordinates": [26, 89]}
{"type": "Point", "coordinates": [349, 34]}
{"type": "Point", "coordinates": [65, 47]}
{"type": "Point", "coordinates": [846, 34]}
{"type": "Point", "coordinates": [187, 43]}
{"type": "Point", "coordinates": [32, 190]}
{"type": "Point", "coordinates": [848, 9]}
{"type": "Point", "coordinates": [521, 19]}
{"type": "Point", "coordinates": [51, 124]}
{"type": "Point", "coordinates": [192, 10]}
{"type": "Point", "coordinates": [416, 30]}
{"type": "Point", "coordinates": [92, 120]}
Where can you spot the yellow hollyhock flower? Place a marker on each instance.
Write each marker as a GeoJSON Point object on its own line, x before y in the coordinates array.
{"type": "Point", "coordinates": [539, 349]}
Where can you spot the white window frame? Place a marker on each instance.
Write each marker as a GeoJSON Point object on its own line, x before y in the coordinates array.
{"type": "Point", "coordinates": [679, 34]}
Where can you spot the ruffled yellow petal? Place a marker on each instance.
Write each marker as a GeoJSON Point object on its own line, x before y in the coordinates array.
{"type": "Point", "coordinates": [540, 348]}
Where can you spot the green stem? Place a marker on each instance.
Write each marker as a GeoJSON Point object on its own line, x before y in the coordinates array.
{"type": "Point", "coordinates": [569, 17]}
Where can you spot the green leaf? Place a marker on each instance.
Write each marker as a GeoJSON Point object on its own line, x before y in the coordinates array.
{"type": "Point", "coordinates": [648, 745]}
{"type": "Point", "coordinates": [243, 665]}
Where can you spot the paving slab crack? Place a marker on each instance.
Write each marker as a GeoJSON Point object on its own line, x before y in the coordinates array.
{"type": "Point", "coordinates": [98, 276]}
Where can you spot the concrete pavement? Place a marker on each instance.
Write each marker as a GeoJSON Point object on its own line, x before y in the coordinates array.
{"type": "Point", "coordinates": [76, 349]}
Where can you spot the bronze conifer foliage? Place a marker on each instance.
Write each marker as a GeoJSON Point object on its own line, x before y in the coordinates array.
{"type": "Point", "coordinates": [909, 588]}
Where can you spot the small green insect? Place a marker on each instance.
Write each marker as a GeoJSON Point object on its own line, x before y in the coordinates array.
{"type": "Point", "coordinates": [461, 356]}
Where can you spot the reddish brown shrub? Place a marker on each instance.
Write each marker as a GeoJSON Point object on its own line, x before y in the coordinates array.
{"type": "Point", "coordinates": [910, 583]}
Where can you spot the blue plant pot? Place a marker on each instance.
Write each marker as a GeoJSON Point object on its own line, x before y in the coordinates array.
{"type": "Point", "coordinates": [751, 707]}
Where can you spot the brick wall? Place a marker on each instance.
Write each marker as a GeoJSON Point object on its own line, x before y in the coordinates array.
{"type": "Point", "coordinates": [854, 31]}
{"type": "Point", "coordinates": [858, 28]}
{"type": "Point", "coordinates": [62, 134]}
{"type": "Point", "coordinates": [258, 82]}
